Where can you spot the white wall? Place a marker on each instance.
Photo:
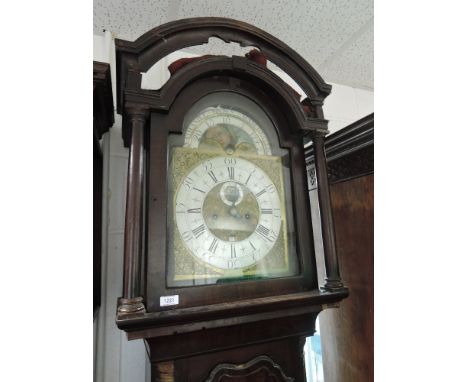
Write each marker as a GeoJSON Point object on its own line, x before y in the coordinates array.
{"type": "Point", "coordinates": [345, 105]}
{"type": "Point", "coordinates": [119, 360]}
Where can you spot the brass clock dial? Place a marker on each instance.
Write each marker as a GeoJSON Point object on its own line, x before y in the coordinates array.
{"type": "Point", "coordinates": [228, 212]}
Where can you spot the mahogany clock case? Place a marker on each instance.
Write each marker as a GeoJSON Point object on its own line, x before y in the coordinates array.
{"type": "Point", "coordinates": [215, 330]}
{"type": "Point", "coordinates": [151, 120]}
{"type": "Point", "coordinates": [162, 125]}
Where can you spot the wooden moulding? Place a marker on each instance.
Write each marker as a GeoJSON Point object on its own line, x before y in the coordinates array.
{"type": "Point", "coordinates": [135, 58]}
{"type": "Point", "coordinates": [138, 56]}
{"type": "Point", "coordinates": [103, 105]}
{"type": "Point", "coordinates": [349, 152]}
{"type": "Point", "coordinates": [225, 314]}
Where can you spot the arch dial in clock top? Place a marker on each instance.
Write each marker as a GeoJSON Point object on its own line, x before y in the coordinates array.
{"type": "Point", "coordinates": [227, 130]}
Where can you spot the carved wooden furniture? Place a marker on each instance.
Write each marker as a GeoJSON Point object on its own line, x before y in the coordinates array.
{"type": "Point", "coordinates": [347, 333]}
{"type": "Point", "coordinates": [249, 328]}
{"type": "Point", "coordinates": [103, 119]}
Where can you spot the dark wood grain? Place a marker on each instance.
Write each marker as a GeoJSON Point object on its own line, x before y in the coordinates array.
{"type": "Point", "coordinates": [138, 56]}
{"type": "Point", "coordinates": [237, 67]}
{"type": "Point", "coordinates": [131, 299]}
{"type": "Point", "coordinates": [225, 314]}
{"type": "Point", "coordinates": [286, 354]}
{"type": "Point", "coordinates": [347, 333]}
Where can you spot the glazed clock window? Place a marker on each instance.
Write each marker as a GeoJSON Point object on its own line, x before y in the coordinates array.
{"type": "Point", "coordinates": [229, 215]}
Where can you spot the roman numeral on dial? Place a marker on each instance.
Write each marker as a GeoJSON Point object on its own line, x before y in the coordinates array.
{"type": "Point", "coordinates": [213, 176]}
{"type": "Point", "coordinates": [194, 210]}
{"type": "Point", "coordinates": [269, 188]}
{"type": "Point", "coordinates": [213, 246]}
{"type": "Point", "coordinates": [233, 251]}
{"type": "Point", "coordinates": [188, 182]}
{"type": "Point", "coordinates": [247, 181]}
{"type": "Point", "coordinates": [186, 236]}
{"type": "Point", "coordinates": [199, 230]}
{"type": "Point", "coordinates": [231, 172]}
{"type": "Point", "coordinates": [263, 232]}
{"type": "Point", "coordinates": [197, 189]}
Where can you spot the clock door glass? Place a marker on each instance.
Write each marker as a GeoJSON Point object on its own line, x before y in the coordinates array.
{"type": "Point", "coordinates": [230, 217]}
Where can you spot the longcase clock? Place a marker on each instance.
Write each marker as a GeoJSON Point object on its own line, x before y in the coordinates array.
{"type": "Point", "coordinates": [220, 277]}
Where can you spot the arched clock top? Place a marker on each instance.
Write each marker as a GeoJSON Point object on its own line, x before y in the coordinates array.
{"type": "Point", "coordinates": [134, 58]}
{"type": "Point", "coordinates": [234, 71]}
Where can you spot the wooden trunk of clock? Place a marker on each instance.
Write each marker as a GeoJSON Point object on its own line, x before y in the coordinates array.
{"type": "Point", "coordinates": [220, 275]}
{"type": "Point", "coordinates": [229, 359]}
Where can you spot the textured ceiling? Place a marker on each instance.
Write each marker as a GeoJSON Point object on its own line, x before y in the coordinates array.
{"type": "Point", "coordinates": [334, 36]}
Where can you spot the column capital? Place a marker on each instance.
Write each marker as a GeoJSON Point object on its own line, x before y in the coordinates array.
{"type": "Point", "coordinates": [137, 111]}
{"type": "Point", "coordinates": [317, 134]}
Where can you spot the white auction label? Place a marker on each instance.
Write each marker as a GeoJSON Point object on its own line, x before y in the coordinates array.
{"type": "Point", "coordinates": [169, 300]}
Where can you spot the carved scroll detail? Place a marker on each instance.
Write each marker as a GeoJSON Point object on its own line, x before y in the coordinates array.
{"type": "Point", "coordinates": [261, 368]}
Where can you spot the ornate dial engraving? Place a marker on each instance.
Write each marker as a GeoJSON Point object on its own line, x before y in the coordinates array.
{"type": "Point", "coordinates": [228, 212]}
{"type": "Point", "coordinates": [226, 130]}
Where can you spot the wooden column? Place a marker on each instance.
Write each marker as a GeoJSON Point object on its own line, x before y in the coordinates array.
{"type": "Point", "coordinates": [333, 279]}
{"type": "Point", "coordinates": [132, 302]}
